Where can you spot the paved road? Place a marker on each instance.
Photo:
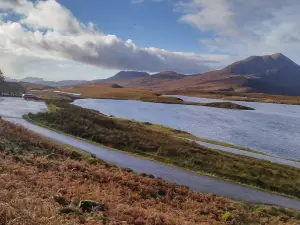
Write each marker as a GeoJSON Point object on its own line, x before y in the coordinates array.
{"type": "Point", "coordinates": [197, 182]}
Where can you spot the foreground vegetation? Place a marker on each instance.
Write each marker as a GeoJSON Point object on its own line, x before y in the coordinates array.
{"type": "Point", "coordinates": [148, 140]}
{"type": "Point", "coordinates": [42, 183]}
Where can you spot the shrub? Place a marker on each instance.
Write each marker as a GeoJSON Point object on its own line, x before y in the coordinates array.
{"type": "Point", "coordinates": [76, 156]}
{"type": "Point", "coordinates": [68, 210]}
{"type": "Point", "coordinates": [61, 200]}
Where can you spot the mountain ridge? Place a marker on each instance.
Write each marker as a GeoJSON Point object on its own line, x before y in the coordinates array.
{"type": "Point", "coordinates": [270, 74]}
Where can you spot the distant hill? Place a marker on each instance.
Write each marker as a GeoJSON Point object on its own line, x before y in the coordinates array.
{"type": "Point", "coordinates": [271, 74]}
{"type": "Point", "coordinates": [32, 80]}
{"type": "Point", "coordinates": [123, 75]}
{"type": "Point", "coordinates": [41, 81]}
{"type": "Point", "coordinates": [168, 75]}
{"type": "Point", "coordinates": [263, 65]}
{"type": "Point", "coordinates": [143, 80]}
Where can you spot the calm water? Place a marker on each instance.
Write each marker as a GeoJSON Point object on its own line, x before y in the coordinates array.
{"type": "Point", "coordinates": [271, 128]}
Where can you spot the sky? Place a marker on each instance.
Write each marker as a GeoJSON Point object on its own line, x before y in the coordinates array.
{"type": "Point", "coordinates": [94, 39]}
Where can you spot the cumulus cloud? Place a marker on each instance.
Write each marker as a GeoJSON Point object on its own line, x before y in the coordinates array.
{"type": "Point", "coordinates": [48, 30]}
{"type": "Point", "coordinates": [246, 27]}
{"type": "Point", "coordinates": [52, 15]}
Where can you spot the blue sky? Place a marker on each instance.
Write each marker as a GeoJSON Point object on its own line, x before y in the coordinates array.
{"type": "Point", "coordinates": [147, 24]}
{"type": "Point", "coordinates": [92, 39]}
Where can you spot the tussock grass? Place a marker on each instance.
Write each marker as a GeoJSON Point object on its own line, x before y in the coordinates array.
{"type": "Point", "coordinates": [46, 185]}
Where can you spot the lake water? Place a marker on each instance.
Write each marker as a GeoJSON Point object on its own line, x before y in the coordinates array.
{"type": "Point", "coordinates": [271, 128]}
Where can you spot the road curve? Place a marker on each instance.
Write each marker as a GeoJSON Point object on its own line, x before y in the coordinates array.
{"type": "Point", "coordinates": [194, 181]}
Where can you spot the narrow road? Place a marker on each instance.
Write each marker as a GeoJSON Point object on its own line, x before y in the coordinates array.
{"type": "Point", "coordinates": [194, 181]}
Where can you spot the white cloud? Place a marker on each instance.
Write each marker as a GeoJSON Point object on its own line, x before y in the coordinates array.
{"type": "Point", "coordinates": [52, 15]}
{"type": "Point", "coordinates": [62, 37]}
{"type": "Point", "coordinates": [246, 28]}
{"type": "Point", "coordinates": [20, 6]}
{"type": "Point", "coordinates": [207, 15]}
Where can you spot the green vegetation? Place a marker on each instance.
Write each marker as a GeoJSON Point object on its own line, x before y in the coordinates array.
{"type": "Point", "coordinates": [52, 107]}
{"type": "Point", "coordinates": [186, 135]}
{"type": "Point", "coordinates": [151, 141]}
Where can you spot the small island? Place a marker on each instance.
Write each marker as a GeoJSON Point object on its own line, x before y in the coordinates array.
{"type": "Point", "coordinates": [226, 105]}
{"type": "Point", "coordinates": [176, 100]}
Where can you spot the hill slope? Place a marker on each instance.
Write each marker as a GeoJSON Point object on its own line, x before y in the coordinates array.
{"type": "Point", "coordinates": [150, 81]}
{"type": "Point", "coordinates": [52, 179]}
{"type": "Point", "coordinates": [36, 80]}
{"type": "Point", "coordinates": [271, 74]}
{"type": "Point", "coordinates": [124, 75]}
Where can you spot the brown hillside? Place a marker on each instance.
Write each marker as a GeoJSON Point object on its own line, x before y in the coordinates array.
{"type": "Point", "coordinates": [270, 74]}
{"type": "Point", "coordinates": [42, 183]}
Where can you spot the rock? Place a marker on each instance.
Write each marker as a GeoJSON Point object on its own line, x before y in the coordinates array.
{"type": "Point", "coordinates": [91, 206]}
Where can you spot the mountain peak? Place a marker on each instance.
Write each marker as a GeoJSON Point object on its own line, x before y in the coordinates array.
{"type": "Point", "coordinates": [168, 75]}
{"type": "Point", "coordinates": [261, 64]}
{"type": "Point", "coordinates": [278, 56]}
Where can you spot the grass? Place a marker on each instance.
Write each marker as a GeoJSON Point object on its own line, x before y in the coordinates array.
{"type": "Point", "coordinates": [186, 135]}
{"type": "Point", "coordinates": [52, 107]}
{"type": "Point", "coordinates": [154, 142]}
{"type": "Point", "coordinates": [42, 182]}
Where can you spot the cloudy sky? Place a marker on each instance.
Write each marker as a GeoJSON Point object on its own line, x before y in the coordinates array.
{"type": "Point", "coordinates": [92, 39]}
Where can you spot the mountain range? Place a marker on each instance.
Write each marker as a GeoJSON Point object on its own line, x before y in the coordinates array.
{"type": "Point", "coordinates": [37, 80]}
{"type": "Point", "coordinates": [271, 74]}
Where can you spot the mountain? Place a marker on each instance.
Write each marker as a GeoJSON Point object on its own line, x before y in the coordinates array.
{"type": "Point", "coordinates": [274, 74]}
{"type": "Point", "coordinates": [262, 65]}
{"type": "Point", "coordinates": [271, 74]}
{"type": "Point", "coordinates": [144, 80]}
{"type": "Point", "coordinates": [37, 80]}
{"type": "Point", "coordinates": [32, 79]}
{"type": "Point", "coordinates": [168, 75]}
{"type": "Point", "coordinates": [123, 75]}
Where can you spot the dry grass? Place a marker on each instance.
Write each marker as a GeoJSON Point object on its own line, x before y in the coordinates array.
{"type": "Point", "coordinates": [103, 90]}
{"type": "Point", "coordinates": [35, 173]}
{"type": "Point", "coordinates": [113, 91]}
{"type": "Point", "coordinates": [30, 86]}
